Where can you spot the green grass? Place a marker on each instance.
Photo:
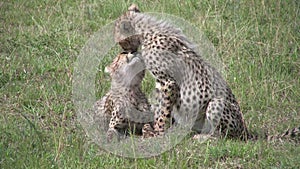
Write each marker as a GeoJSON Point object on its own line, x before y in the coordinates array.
{"type": "Point", "coordinates": [258, 41]}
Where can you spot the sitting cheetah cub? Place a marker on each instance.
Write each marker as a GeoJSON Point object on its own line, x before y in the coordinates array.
{"type": "Point", "coordinates": [125, 107]}
{"type": "Point", "coordinates": [188, 88]}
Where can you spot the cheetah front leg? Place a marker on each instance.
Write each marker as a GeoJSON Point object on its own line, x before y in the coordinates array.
{"type": "Point", "coordinates": [168, 95]}
{"type": "Point", "coordinates": [115, 122]}
{"type": "Point", "coordinates": [147, 130]}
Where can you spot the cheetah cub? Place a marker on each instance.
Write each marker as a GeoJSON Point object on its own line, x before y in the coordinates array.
{"type": "Point", "coordinates": [188, 88]}
{"type": "Point", "coordinates": [124, 108]}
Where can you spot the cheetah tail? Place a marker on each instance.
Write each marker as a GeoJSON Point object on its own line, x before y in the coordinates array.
{"type": "Point", "coordinates": [290, 134]}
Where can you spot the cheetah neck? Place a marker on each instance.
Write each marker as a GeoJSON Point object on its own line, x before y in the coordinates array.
{"type": "Point", "coordinates": [123, 90]}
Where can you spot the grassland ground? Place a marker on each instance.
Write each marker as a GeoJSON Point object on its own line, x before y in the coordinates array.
{"type": "Point", "coordinates": [258, 42]}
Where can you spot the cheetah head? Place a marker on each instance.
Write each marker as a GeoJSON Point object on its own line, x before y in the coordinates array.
{"type": "Point", "coordinates": [124, 32]}
{"type": "Point", "coordinates": [127, 69]}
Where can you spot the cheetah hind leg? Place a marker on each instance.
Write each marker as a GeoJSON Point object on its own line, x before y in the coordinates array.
{"type": "Point", "coordinates": [211, 121]}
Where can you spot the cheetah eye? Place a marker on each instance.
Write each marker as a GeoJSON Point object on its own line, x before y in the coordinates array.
{"type": "Point", "coordinates": [126, 28]}
{"type": "Point", "coordinates": [124, 53]}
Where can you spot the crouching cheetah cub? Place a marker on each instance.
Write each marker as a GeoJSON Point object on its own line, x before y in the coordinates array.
{"type": "Point", "coordinates": [187, 86]}
{"type": "Point", "coordinates": [125, 107]}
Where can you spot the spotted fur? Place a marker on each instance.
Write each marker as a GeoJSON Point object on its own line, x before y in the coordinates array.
{"type": "Point", "coordinates": [125, 107]}
{"type": "Point", "coordinates": [188, 88]}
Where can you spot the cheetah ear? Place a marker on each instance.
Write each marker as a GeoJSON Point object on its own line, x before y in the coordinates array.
{"type": "Point", "coordinates": [126, 28]}
{"type": "Point", "coordinates": [134, 8]}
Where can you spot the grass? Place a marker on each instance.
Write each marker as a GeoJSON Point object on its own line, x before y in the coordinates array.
{"type": "Point", "coordinates": [258, 41]}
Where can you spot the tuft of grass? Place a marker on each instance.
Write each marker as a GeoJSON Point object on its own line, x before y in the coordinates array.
{"type": "Point", "coordinates": [258, 42]}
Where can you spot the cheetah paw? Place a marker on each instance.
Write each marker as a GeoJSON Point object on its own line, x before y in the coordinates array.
{"type": "Point", "coordinates": [148, 131]}
{"type": "Point", "coordinates": [112, 135]}
{"type": "Point", "coordinates": [202, 137]}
